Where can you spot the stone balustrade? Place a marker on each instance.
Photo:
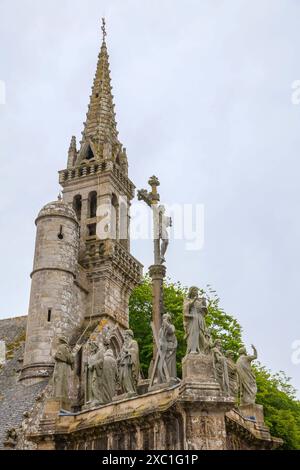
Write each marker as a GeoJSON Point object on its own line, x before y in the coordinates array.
{"type": "Point", "coordinates": [95, 168]}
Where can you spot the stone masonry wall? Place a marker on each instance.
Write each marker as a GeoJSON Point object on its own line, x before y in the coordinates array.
{"type": "Point", "coordinates": [53, 294]}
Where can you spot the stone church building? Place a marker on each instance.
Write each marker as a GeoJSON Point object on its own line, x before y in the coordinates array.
{"type": "Point", "coordinates": [82, 277]}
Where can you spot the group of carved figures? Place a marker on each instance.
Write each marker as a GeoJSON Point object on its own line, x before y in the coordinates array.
{"type": "Point", "coordinates": [235, 378]}
{"type": "Point", "coordinates": [106, 375]}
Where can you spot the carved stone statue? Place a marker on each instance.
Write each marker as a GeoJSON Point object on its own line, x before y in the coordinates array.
{"type": "Point", "coordinates": [164, 223]}
{"type": "Point", "coordinates": [95, 370]}
{"type": "Point", "coordinates": [220, 366]}
{"type": "Point", "coordinates": [64, 361]}
{"type": "Point", "coordinates": [90, 350]}
{"type": "Point", "coordinates": [109, 377]}
{"type": "Point", "coordinates": [167, 349]}
{"type": "Point", "coordinates": [11, 438]}
{"type": "Point", "coordinates": [194, 312]}
{"type": "Point", "coordinates": [129, 364]}
{"type": "Point", "coordinates": [247, 381]}
{"type": "Point", "coordinates": [232, 374]}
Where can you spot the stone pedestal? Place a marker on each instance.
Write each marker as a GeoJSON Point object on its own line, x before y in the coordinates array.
{"type": "Point", "coordinates": [198, 371]}
{"type": "Point", "coordinates": [253, 412]}
{"type": "Point", "coordinates": [205, 404]}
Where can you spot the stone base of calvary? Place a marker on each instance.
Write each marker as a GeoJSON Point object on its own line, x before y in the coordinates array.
{"type": "Point", "coordinates": [211, 407]}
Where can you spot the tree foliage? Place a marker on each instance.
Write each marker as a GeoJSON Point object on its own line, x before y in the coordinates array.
{"type": "Point", "coordinates": [275, 393]}
{"type": "Point", "coordinates": [281, 408]}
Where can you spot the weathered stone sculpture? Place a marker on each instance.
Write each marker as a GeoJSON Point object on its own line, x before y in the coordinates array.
{"type": "Point", "coordinates": [220, 366]}
{"type": "Point", "coordinates": [157, 271]}
{"type": "Point", "coordinates": [232, 374]}
{"type": "Point", "coordinates": [167, 350]}
{"type": "Point", "coordinates": [11, 437]}
{"type": "Point", "coordinates": [109, 377]}
{"type": "Point", "coordinates": [247, 381]}
{"type": "Point", "coordinates": [194, 312]}
{"type": "Point", "coordinates": [64, 361]}
{"type": "Point", "coordinates": [129, 364]}
{"type": "Point", "coordinates": [94, 373]}
{"type": "Point", "coordinates": [95, 365]}
{"type": "Point", "coordinates": [90, 350]}
{"type": "Point", "coordinates": [164, 222]}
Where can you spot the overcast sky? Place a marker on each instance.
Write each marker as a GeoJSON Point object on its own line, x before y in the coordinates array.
{"type": "Point", "coordinates": [203, 100]}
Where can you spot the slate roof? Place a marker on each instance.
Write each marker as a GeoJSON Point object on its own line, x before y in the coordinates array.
{"type": "Point", "coordinates": [15, 398]}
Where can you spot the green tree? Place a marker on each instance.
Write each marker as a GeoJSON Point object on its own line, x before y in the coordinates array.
{"type": "Point", "coordinates": [275, 393]}
{"type": "Point", "coordinates": [281, 408]}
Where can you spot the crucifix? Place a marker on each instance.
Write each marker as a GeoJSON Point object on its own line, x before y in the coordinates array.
{"type": "Point", "coordinates": [160, 240]}
{"type": "Point", "coordinates": [103, 27]}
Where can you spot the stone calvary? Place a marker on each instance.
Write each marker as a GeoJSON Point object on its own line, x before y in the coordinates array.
{"type": "Point", "coordinates": [75, 381]}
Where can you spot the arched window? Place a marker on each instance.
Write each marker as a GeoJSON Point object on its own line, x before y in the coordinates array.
{"type": "Point", "coordinates": [89, 154]}
{"type": "Point", "coordinates": [77, 204]}
{"type": "Point", "coordinates": [92, 205]}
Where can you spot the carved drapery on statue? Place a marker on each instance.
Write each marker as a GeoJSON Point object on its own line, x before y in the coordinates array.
{"type": "Point", "coordinates": [64, 361]}
{"type": "Point", "coordinates": [95, 371]}
{"type": "Point", "coordinates": [220, 366]}
{"type": "Point", "coordinates": [167, 350]}
{"type": "Point", "coordinates": [129, 364]}
{"type": "Point", "coordinates": [101, 375]}
{"type": "Point", "coordinates": [247, 380]}
{"type": "Point", "coordinates": [109, 377]}
{"type": "Point", "coordinates": [232, 374]}
{"type": "Point", "coordinates": [194, 313]}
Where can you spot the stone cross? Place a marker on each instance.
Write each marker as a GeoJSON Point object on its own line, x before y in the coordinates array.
{"type": "Point", "coordinates": [103, 27]}
{"type": "Point", "coordinates": [157, 271]}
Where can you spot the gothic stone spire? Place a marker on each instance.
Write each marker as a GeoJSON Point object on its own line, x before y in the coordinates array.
{"type": "Point", "coordinates": [100, 129]}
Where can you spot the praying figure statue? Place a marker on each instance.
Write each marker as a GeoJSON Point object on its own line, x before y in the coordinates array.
{"type": "Point", "coordinates": [232, 374]}
{"type": "Point", "coordinates": [220, 366]}
{"type": "Point", "coordinates": [129, 364]}
{"type": "Point", "coordinates": [247, 380]}
{"type": "Point", "coordinates": [64, 361]}
{"type": "Point", "coordinates": [94, 372]}
{"type": "Point", "coordinates": [167, 349]}
{"type": "Point", "coordinates": [109, 377]}
{"type": "Point", "coordinates": [194, 313]}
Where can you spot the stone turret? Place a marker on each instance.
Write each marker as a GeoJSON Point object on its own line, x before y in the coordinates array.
{"type": "Point", "coordinates": [51, 310]}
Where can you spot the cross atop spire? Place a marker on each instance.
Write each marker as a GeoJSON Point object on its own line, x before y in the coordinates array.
{"type": "Point", "coordinates": [104, 33]}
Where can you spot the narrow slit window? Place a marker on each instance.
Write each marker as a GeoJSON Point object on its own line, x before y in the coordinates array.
{"type": "Point", "coordinates": [49, 315]}
{"type": "Point", "coordinates": [60, 235]}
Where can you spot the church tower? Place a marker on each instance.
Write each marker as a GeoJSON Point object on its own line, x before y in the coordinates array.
{"type": "Point", "coordinates": [84, 237]}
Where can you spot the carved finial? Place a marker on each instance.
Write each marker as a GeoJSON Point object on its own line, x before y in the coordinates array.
{"type": "Point", "coordinates": [73, 145]}
{"type": "Point", "coordinates": [104, 33]}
